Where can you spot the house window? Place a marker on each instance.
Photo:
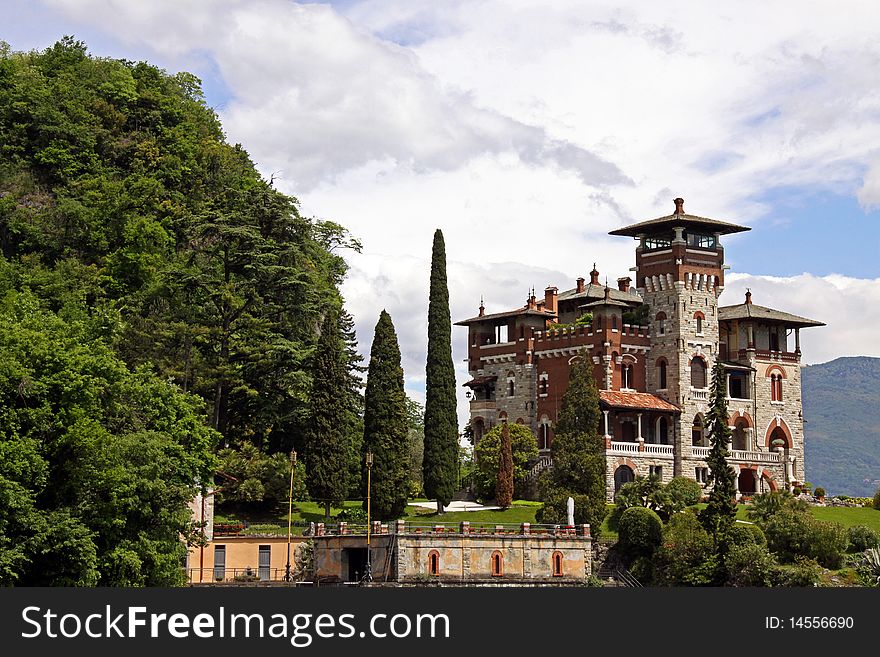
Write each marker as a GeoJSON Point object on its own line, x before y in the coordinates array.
{"type": "Point", "coordinates": [699, 241]}
{"type": "Point", "coordinates": [543, 385]}
{"type": "Point", "coordinates": [698, 373]}
{"type": "Point", "coordinates": [699, 325]}
{"type": "Point", "coordinates": [497, 564]}
{"type": "Point", "coordinates": [626, 377]}
{"type": "Point", "coordinates": [544, 434]}
{"type": "Point", "coordinates": [655, 471]}
{"type": "Point", "coordinates": [511, 387]}
{"type": "Point", "coordinates": [701, 475]}
{"type": "Point", "coordinates": [434, 563]}
{"type": "Point", "coordinates": [219, 563]}
{"type": "Point", "coordinates": [661, 374]}
{"type": "Point", "coordinates": [557, 564]}
{"type": "Point", "coordinates": [661, 323]}
{"type": "Point", "coordinates": [738, 386]}
{"type": "Point", "coordinates": [697, 432]}
{"type": "Point", "coordinates": [776, 387]}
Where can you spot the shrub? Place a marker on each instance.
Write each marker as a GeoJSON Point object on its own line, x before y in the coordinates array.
{"type": "Point", "coordinates": [639, 532]}
{"type": "Point", "coordinates": [829, 543]}
{"type": "Point", "coordinates": [862, 538]}
{"type": "Point", "coordinates": [685, 556]}
{"type": "Point", "coordinates": [792, 533]}
{"type": "Point", "coordinates": [742, 535]}
{"type": "Point", "coordinates": [804, 572]}
{"type": "Point", "coordinates": [766, 505]}
{"type": "Point", "coordinates": [642, 492]}
{"type": "Point", "coordinates": [820, 492]}
{"type": "Point", "coordinates": [796, 491]}
{"type": "Point", "coordinates": [877, 499]}
{"type": "Point", "coordinates": [750, 565]}
{"type": "Point", "coordinates": [355, 515]}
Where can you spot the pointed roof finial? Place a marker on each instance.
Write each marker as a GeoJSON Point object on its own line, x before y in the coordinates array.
{"type": "Point", "coordinates": [679, 205]}
{"type": "Point", "coordinates": [482, 307]}
{"type": "Point", "coordinates": [748, 295]}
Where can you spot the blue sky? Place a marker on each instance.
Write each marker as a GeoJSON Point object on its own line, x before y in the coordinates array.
{"type": "Point", "coordinates": [528, 130]}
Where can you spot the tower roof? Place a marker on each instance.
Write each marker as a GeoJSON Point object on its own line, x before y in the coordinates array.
{"type": "Point", "coordinates": [679, 218]}
{"type": "Point", "coordinates": [751, 310]}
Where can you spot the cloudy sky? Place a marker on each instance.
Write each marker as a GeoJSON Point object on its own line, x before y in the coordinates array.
{"type": "Point", "coordinates": [527, 130]}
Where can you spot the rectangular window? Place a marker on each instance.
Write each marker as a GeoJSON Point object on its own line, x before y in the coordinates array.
{"type": "Point", "coordinates": [654, 243]}
{"type": "Point", "coordinates": [219, 563]}
{"type": "Point", "coordinates": [739, 388]}
{"type": "Point", "coordinates": [656, 471]}
{"type": "Point", "coordinates": [264, 571]}
{"type": "Point", "coordinates": [700, 241]}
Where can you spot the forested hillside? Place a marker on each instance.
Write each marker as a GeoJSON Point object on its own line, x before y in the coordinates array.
{"type": "Point", "coordinates": [159, 300]}
{"type": "Point", "coordinates": [841, 401]}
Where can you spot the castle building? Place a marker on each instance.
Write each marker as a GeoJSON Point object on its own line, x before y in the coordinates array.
{"type": "Point", "coordinates": [653, 347]}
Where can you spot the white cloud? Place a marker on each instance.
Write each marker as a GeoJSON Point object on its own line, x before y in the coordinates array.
{"type": "Point", "coordinates": [850, 308]}
{"type": "Point", "coordinates": [518, 128]}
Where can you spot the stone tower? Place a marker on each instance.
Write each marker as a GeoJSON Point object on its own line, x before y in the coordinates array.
{"type": "Point", "coordinates": [680, 274]}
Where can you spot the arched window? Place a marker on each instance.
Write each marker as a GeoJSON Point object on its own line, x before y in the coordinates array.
{"type": "Point", "coordinates": [661, 374]}
{"type": "Point", "coordinates": [434, 563]}
{"type": "Point", "coordinates": [776, 387]}
{"type": "Point", "coordinates": [661, 323]}
{"type": "Point", "coordinates": [697, 433]}
{"type": "Point", "coordinates": [626, 376]}
{"type": "Point", "coordinates": [698, 373]}
{"type": "Point", "coordinates": [557, 564]}
{"type": "Point", "coordinates": [698, 318]}
{"type": "Point", "coordinates": [544, 433]}
{"type": "Point", "coordinates": [497, 564]}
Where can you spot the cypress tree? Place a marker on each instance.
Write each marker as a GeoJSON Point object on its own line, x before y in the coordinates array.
{"type": "Point", "coordinates": [327, 435]}
{"type": "Point", "coordinates": [385, 424]}
{"type": "Point", "coordinates": [504, 485]}
{"type": "Point", "coordinates": [720, 513]}
{"type": "Point", "coordinates": [441, 420]}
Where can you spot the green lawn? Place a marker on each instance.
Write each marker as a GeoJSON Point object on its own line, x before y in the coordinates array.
{"type": "Point", "coordinates": [275, 521]}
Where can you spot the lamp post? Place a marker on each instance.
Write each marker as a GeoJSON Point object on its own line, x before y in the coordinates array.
{"type": "Point", "coordinates": [287, 575]}
{"type": "Point", "coordinates": [368, 576]}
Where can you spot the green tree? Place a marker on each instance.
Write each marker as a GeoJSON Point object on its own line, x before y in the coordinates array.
{"type": "Point", "coordinates": [487, 453]}
{"type": "Point", "coordinates": [415, 417]}
{"type": "Point", "coordinates": [504, 477]}
{"type": "Point", "coordinates": [720, 513]}
{"type": "Point", "coordinates": [385, 424]}
{"type": "Point", "coordinates": [578, 451]}
{"type": "Point", "coordinates": [685, 556]}
{"type": "Point", "coordinates": [440, 465]}
{"type": "Point", "coordinates": [327, 439]}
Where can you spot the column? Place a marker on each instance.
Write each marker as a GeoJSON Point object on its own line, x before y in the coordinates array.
{"type": "Point", "coordinates": [639, 431]}
{"type": "Point", "coordinates": [605, 413]}
{"type": "Point", "coordinates": [797, 340]}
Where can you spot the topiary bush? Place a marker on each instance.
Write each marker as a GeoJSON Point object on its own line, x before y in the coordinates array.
{"type": "Point", "coordinates": [862, 538]}
{"type": "Point", "coordinates": [742, 535]}
{"type": "Point", "coordinates": [820, 492]}
{"type": "Point", "coordinates": [684, 491]}
{"type": "Point", "coordinates": [639, 531]}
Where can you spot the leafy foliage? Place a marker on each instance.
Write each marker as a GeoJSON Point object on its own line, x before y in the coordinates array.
{"type": "Point", "coordinates": [524, 450]}
{"type": "Point", "coordinates": [440, 464]}
{"type": "Point", "coordinates": [862, 538]}
{"type": "Point", "coordinates": [639, 532]}
{"type": "Point", "coordinates": [750, 565]}
{"type": "Point", "coordinates": [251, 478]}
{"type": "Point", "coordinates": [685, 556]}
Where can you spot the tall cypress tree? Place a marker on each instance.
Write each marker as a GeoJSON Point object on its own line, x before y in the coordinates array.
{"type": "Point", "coordinates": [385, 424]}
{"type": "Point", "coordinates": [504, 483]}
{"type": "Point", "coordinates": [441, 420]}
{"type": "Point", "coordinates": [327, 435]}
{"type": "Point", "coordinates": [720, 513]}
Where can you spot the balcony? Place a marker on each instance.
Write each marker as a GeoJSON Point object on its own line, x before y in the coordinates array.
{"type": "Point", "coordinates": [648, 449]}
{"type": "Point", "coordinates": [482, 405]}
{"type": "Point", "coordinates": [740, 455]}
{"type": "Point", "coordinates": [700, 394]}
{"type": "Point", "coordinates": [767, 354]}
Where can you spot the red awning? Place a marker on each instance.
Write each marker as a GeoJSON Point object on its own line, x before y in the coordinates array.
{"type": "Point", "coordinates": [480, 381]}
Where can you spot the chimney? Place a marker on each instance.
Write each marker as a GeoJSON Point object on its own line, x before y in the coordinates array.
{"type": "Point", "coordinates": [623, 283]}
{"type": "Point", "coordinates": [748, 295]}
{"type": "Point", "coordinates": [594, 275]}
{"type": "Point", "coordinates": [482, 308]}
{"type": "Point", "coordinates": [532, 305]}
{"type": "Point", "coordinates": [550, 296]}
{"type": "Point", "coordinates": [679, 205]}
{"type": "Point", "coordinates": [580, 284]}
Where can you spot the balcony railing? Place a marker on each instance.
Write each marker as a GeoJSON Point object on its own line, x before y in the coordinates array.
{"type": "Point", "coordinates": [700, 394]}
{"type": "Point", "coordinates": [623, 448]}
{"type": "Point", "coordinates": [700, 452]}
{"type": "Point", "coordinates": [659, 450]}
{"type": "Point", "coordinates": [740, 455]}
{"type": "Point", "coordinates": [767, 354]}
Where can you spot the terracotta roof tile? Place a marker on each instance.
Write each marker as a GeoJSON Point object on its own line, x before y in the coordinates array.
{"type": "Point", "coordinates": [637, 400]}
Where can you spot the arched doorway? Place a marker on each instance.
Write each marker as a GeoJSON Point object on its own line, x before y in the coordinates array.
{"type": "Point", "coordinates": [623, 475]}
{"type": "Point", "coordinates": [747, 482]}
